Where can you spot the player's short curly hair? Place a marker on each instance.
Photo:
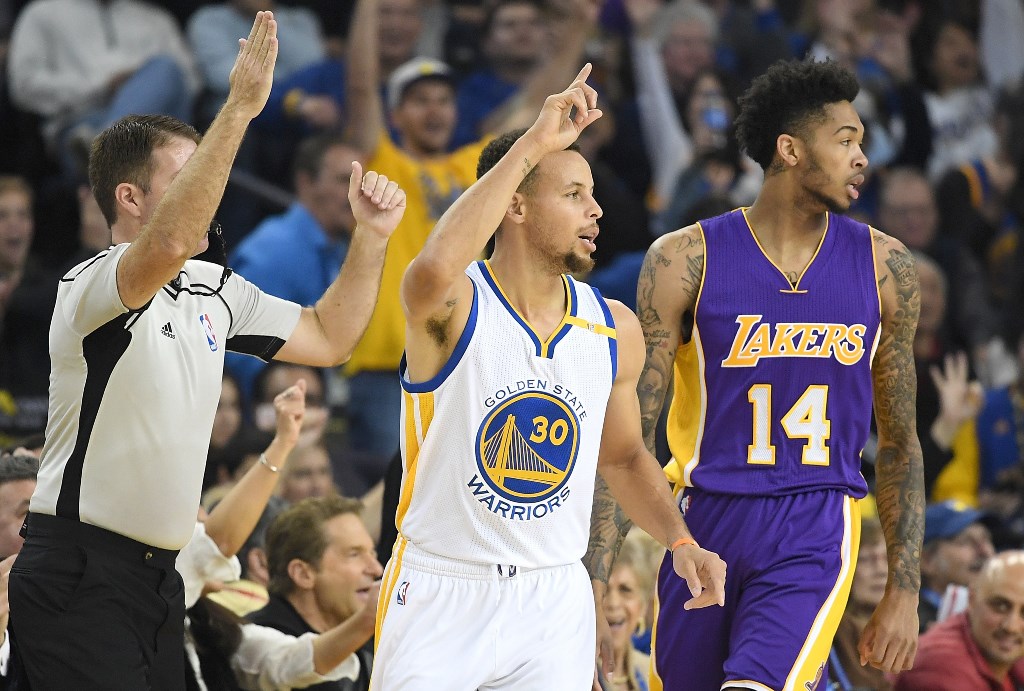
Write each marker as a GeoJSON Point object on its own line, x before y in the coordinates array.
{"type": "Point", "coordinates": [496, 150]}
{"type": "Point", "coordinates": [789, 97]}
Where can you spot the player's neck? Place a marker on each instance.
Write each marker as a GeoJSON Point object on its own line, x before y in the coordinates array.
{"type": "Point", "coordinates": [778, 221]}
{"type": "Point", "coordinates": [535, 291]}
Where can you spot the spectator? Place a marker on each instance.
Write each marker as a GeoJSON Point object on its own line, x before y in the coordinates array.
{"type": "Point", "coordinates": [297, 254]}
{"type": "Point", "coordinates": [17, 482]}
{"type": "Point", "coordinates": [960, 108]}
{"type": "Point", "coordinates": [956, 546]}
{"type": "Point", "coordinates": [275, 378]}
{"type": "Point", "coordinates": [83, 64]}
{"type": "Point", "coordinates": [212, 28]}
{"type": "Point", "coordinates": [421, 102]}
{"type": "Point", "coordinates": [908, 211]}
{"type": "Point", "coordinates": [845, 668]}
{"type": "Point", "coordinates": [323, 570]}
{"type": "Point", "coordinates": [981, 649]}
{"type": "Point", "coordinates": [27, 294]}
{"type": "Point", "coordinates": [1000, 428]}
{"type": "Point", "coordinates": [308, 474]}
{"type": "Point", "coordinates": [93, 231]}
{"type": "Point", "coordinates": [626, 605]}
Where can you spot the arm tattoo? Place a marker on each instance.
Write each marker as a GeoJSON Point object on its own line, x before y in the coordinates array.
{"type": "Point", "coordinates": [527, 167]}
{"type": "Point", "coordinates": [608, 528]}
{"type": "Point", "coordinates": [899, 468]}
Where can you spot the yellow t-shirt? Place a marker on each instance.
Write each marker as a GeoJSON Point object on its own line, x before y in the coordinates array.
{"type": "Point", "coordinates": [431, 186]}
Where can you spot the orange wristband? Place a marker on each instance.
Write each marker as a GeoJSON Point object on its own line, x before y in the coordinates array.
{"type": "Point", "coordinates": [683, 541]}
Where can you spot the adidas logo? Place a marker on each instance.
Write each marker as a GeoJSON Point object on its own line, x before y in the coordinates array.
{"type": "Point", "coordinates": [166, 330]}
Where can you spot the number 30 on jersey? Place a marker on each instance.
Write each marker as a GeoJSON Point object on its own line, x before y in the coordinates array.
{"type": "Point", "coordinates": [807, 419]}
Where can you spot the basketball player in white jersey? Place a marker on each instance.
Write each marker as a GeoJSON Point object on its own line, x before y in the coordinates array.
{"type": "Point", "coordinates": [519, 384]}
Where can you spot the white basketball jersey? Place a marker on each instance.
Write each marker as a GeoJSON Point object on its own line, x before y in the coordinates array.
{"type": "Point", "coordinates": [500, 448]}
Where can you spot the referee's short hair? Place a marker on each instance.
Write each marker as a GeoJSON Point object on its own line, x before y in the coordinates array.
{"type": "Point", "coordinates": [14, 467]}
{"type": "Point", "coordinates": [297, 533]}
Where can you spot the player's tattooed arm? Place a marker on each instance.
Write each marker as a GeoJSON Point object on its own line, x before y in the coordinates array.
{"type": "Point", "coordinates": [676, 259]}
{"type": "Point", "coordinates": [899, 467]}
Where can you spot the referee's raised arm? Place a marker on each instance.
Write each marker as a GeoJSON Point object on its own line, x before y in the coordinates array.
{"type": "Point", "coordinates": [176, 229]}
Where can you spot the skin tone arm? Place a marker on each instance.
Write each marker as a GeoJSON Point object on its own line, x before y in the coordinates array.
{"type": "Point", "coordinates": [365, 121]}
{"type": "Point", "coordinates": [328, 332]}
{"type": "Point", "coordinates": [669, 282]}
{"type": "Point", "coordinates": [233, 519]}
{"type": "Point", "coordinates": [183, 215]}
{"type": "Point", "coordinates": [889, 641]}
{"type": "Point", "coordinates": [435, 288]}
{"type": "Point", "coordinates": [635, 478]}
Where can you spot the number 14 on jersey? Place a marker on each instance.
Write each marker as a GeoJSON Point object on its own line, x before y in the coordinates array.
{"type": "Point", "coordinates": [807, 419]}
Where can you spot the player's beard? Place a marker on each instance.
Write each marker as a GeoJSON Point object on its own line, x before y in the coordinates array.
{"type": "Point", "coordinates": [814, 179]}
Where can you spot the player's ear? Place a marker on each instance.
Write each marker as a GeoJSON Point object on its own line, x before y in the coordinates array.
{"type": "Point", "coordinates": [516, 211]}
{"type": "Point", "coordinates": [789, 149]}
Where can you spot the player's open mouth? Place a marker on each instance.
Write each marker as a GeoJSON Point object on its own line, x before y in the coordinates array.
{"type": "Point", "coordinates": [588, 238]}
{"type": "Point", "coordinates": [853, 185]}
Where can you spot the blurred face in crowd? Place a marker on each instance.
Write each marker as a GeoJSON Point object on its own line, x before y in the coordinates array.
{"type": "Point", "coordinates": [688, 50]}
{"type": "Point", "coordinates": [908, 212]}
{"type": "Point", "coordinates": [308, 474]}
{"type": "Point", "coordinates": [516, 37]}
{"type": "Point", "coordinates": [326, 195]}
{"type": "Point", "coordinates": [15, 229]}
{"type": "Point", "coordinates": [251, 7]}
{"type": "Point", "coordinates": [956, 560]}
{"type": "Point", "coordinates": [996, 611]}
{"type": "Point", "coordinates": [14, 498]}
{"type": "Point", "coordinates": [562, 213]}
{"type": "Point", "coordinates": [870, 576]}
{"type": "Point", "coordinates": [954, 58]}
{"type": "Point", "coordinates": [347, 569]}
{"type": "Point", "coordinates": [93, 232]}
{"type": "Point", "coordinates": [400, 25]}
{"type": "Point", "coordinates": [933, 298]}
{"type": "Point", "coordinates": [426, 116]}
{"type": "Point", "coordinates": [228, 417]}
{"type": "Point", "coordinates": [283, 377]}
{"type": "Point", "coordinates": [624, 605]}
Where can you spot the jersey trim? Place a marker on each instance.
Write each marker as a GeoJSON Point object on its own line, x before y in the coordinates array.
{"type": "Point", "coordinates": [570, 315]}
{"type": "Point", "coordinates": [453, 360]}
{"type": "Point", "coordinates": [418, 413]}
{"type": "Point", "coordinates": [874, 268]}
{"type": "Point", "coordinates": [613, 343]}
{"type": "Point", "coordinates": [102, 350]}
{"type": "Point", "coordinates": [821, 243]}
{"type": "Point", "coordinates": [543, 347]}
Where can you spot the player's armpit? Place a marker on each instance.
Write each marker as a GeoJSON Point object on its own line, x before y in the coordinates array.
{"type": "Point", "coordinates": [900, 491]}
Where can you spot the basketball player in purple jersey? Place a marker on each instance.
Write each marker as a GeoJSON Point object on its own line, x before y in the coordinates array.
{"type": "Point", "coordinates": [778, 324]}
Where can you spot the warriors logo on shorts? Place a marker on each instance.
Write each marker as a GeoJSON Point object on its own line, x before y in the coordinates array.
{"type": "Point", "coordinates": [527, 446]}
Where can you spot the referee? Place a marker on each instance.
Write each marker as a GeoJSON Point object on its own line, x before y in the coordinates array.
{"type": "Point", "coordinates": [137, 345]}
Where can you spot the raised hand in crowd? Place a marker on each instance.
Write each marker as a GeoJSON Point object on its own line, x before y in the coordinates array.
{"type": "Point", "coordinates": [959, 398]}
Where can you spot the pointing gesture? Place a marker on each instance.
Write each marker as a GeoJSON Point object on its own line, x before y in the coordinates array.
{"type": "Point", "coordinates": [704, 573]}
{"type": "Point", "coordinates": [558, 125]}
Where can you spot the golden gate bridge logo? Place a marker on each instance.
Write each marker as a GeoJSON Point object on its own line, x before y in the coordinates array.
{"type": "Point", "coordinates": [527, 446]}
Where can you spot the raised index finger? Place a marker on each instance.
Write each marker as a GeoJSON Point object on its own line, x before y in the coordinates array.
{"type": "Point", "coordinates": [584, 73]}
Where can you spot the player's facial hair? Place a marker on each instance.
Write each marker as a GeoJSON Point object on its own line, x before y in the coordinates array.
{"type": "Point", "coordinates": [812, 177]}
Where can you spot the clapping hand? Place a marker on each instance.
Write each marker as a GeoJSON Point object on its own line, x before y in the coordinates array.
{"type": "Point", "coordinates": [378, 204]}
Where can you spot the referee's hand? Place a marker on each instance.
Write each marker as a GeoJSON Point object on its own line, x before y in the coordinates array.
{"type": "Point", "coordinates": [253, 72]}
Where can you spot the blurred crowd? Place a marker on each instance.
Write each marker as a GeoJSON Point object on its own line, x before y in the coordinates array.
{"type": "Point", "coordinates": [414, 89]}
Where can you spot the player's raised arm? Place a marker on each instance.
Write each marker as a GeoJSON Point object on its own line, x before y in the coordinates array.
{"type": "Point", "coordinates": [183, 216]}
{"type": "Point", "coordinates": [889, 641]}
{"type": "Point", "coordinates": [674, 261]}
{"type": "Point", "coordinates": [463, 231]}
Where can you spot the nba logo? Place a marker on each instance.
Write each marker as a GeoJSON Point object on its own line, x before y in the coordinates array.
{"type": "Point", "coordinates": [211, 337]}
{"type": "Point", "coordinates": [403, 588]}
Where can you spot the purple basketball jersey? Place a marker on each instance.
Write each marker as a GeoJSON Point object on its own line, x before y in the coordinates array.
{"type": "Point", "coordinates": [773, 391]}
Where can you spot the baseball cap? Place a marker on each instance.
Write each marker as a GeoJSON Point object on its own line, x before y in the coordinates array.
{"type": "Point", "coordinates": [413, 71]}
{"type": "Point", "coordinates": [948, 519]}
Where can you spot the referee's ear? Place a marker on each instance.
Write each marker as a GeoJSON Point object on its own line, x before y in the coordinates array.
{"type": "Point", "coordinates": [302, 574]}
